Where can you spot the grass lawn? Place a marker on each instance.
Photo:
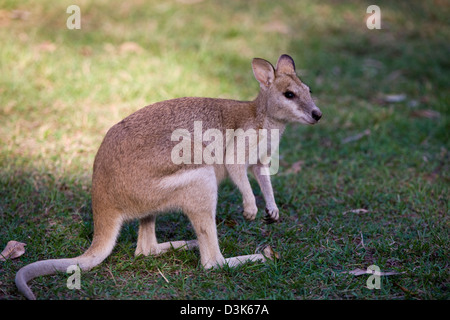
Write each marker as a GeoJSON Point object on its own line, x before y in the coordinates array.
{"type": "Point", "coordinates": [366, 186]}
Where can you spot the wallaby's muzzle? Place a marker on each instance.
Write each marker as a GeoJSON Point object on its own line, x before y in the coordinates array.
{"type": "Point", "coordinates": [316, 114]}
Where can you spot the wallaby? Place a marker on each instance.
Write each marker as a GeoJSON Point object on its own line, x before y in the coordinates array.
{"type": "Point", "coordinates": [135, 177]}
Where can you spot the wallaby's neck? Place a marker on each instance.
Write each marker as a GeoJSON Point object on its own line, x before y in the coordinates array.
{"type": "Point", "coordinates": [262, 116]}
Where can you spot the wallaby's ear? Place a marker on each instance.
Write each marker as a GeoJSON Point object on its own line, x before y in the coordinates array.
{"type": "Point", "coordinates": [285, 64]}
{"type": "Point", "coordinates": [263, 71]}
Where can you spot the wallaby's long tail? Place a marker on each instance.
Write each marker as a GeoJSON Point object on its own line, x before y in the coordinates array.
{"type": "Point", "coordinates": [101, 247]}
{"type": "Point", "coordinates": [46, 267]}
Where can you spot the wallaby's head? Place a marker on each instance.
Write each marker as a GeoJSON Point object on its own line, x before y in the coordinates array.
{"type": "Point", "coordinates": [287, 98]}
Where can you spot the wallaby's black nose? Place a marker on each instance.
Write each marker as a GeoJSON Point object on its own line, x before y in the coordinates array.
{"type": "Point", "coordinates": [316, 115]}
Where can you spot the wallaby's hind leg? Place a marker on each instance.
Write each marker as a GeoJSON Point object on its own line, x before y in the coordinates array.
{"type": "Point", "coordinates": [147, 243]}
{"type": "Point", "coordinates": [205, 227]}
{"type": "Point", "coordinates": [204, 223]}
{"type": "Point", "coordinates": [198, 202]}
{"type": "Point", "coordinates": [201, 210]}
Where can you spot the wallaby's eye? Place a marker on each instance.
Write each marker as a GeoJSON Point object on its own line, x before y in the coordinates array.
{"type": "Point", "coordinates": [310, 91]}
{"type": "Point", "coordinates": [289, 94]}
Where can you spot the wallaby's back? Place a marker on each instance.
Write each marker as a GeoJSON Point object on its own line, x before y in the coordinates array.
{"type": "Point", "coordinates": [143, 139]}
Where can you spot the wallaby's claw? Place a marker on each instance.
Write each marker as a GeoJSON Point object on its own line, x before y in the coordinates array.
{"type": "Point", "coordinates": [271, 216]}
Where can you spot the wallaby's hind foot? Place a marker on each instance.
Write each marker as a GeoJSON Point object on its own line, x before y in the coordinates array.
{"type": "Point", "coordinates": [160, 248]}
{"type": "Point", "coordinates": [148, 245]}
{"type": "Point", "coordinates": [235, 261]}
{"type": "Point", "coordinates": [268, 254]}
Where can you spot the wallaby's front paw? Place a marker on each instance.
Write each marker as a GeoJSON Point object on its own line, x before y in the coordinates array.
{"type": "Point", "coordinates": [250, 212]}
{"type": "Point", "coordinates": [272, 215]}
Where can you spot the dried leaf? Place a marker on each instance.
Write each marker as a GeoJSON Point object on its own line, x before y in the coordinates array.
{"type": "Point", "coordinates": [276, 26]}
{"type": "Point", "coordinates": [270, 254]}
{"type": "Point", "coordinates": [12, 250]}
{"type": "Point", "coordinates": [427, 113]}
{"type": "Point", "coordinates": [355, 211]}
{"type": "Point", "coordinates": [405, 290]}
{"type": "Point", "coordinates": [356, 136]}
{"type": "Point", "coordinates": [130, 47]}
{"type": "Point", "coordinates": [46, 46]}
{"type": "Point", "coordinates": [86, 51]}
{"type": "Point", "coordinates": [296, 167]}
{"type": "Point", "coordinates": [393, 76]}
{"type": "Point", "coordinates": [189, 1]}
{"type": "Point", "coordinates": [394, 98]}
{"type": "Point", "coordinates": [20, 14]}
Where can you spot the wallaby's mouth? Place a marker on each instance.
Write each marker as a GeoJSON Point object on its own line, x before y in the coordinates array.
{"type": "Point", "coordinates": [311, 118]}
{"type": "Point", "coordinates": [308, 120]}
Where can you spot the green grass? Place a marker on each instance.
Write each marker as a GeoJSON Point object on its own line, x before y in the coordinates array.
{"type": "Point", "coordinates": [60, 91]}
